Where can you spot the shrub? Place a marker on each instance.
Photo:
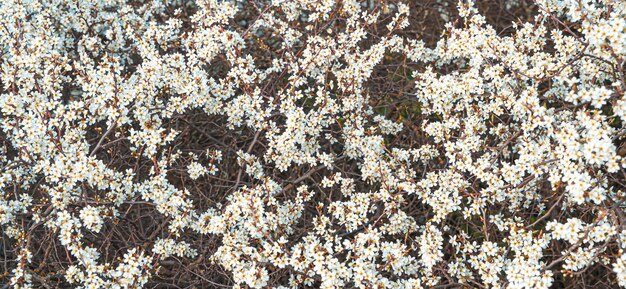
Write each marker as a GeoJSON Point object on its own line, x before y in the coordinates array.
{"type": "Point", "coordinates": [313, 144]}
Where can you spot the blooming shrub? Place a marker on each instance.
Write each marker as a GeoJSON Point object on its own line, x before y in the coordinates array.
{"type": "Point", "coordinates": [313, 144]}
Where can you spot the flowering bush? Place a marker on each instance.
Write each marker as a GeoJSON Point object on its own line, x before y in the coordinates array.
{"type": "Point", "coordinates": [315, 143]}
